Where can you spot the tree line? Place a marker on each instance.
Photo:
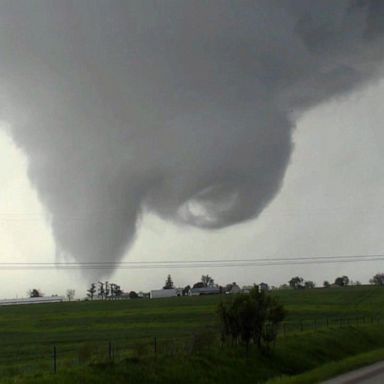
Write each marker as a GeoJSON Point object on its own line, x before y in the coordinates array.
{"type": "Point", "coordinates": [104, 290]}
{"type": "Point", "coordinates": [298, 282]}
{"type": "Point", "coordinates": [109, 290]}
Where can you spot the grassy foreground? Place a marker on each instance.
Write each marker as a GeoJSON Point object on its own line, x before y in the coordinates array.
{"type": "Point", "coordinates": [82, 332]}
{"type": "Point", "coordinates": [210, 364]}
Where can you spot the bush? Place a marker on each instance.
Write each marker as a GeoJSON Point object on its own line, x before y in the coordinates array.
{"type": "Point", "coordinates": [253, 317]}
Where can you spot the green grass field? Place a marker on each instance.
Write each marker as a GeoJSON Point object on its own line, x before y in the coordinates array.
{"type": "Point", "coordinates": [82, 330]}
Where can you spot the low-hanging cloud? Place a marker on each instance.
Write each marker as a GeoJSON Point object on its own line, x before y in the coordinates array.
{"type": "Point", "coordinates": [182, 108]}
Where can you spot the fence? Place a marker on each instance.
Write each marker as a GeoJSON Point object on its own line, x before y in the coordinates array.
{"type": "Point", "coordinates": [53, 357]}
{"type": "Point", "coordinates": [289, 327]}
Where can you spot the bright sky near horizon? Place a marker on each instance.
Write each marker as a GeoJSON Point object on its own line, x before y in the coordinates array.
{"type": "Point", "coordinates": [330, 204]}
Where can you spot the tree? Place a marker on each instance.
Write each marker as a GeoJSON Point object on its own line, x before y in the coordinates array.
{"type": "Point", "coordinates": [199, 284]}
{"type": "Point", "coordinates": [342, 281]}
{"type": "Point", "coordinates": [296, 282]}
{"type": "Point", "coordinates": [35, 293]}
{"type": "Point", "coordinates": [70, 294]}
{"type": "Point", "coordinates": [115, 291]}
{"type": "Point", "coordinates": [101, 290]}
{"type": "Point", "coordinates": [186, 290]}
{"type": "Point", "coordinates": [378, 279]}
{"type": "Point", "coordinates": [309, 284]}
{"type": "Point", "coordinates": [112, 289]}
{"type": "Point", "coordinates": [253, 317]}
{"type": "Point", "coordinates": [118, 291]}
{"type": "Point", "coordinates": [326, 284]}
{"type": "Point", "coordinates": [106, 289]}
{"type": "Point", "coordinates": [133, 295]}
{"type": "Point", "coordinates": [168, 283]}
{"type": "Point", "coordinates": [207, 281]}
{"type": "Point", "coordinates": [91, 291]}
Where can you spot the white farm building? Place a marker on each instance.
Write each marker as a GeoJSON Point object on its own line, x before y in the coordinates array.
{"type": "Point", "coordinates": [32, 300]}
{"type": "Point", "coordinates": [162, 293]}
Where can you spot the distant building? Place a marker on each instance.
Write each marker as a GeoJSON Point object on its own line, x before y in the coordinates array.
{"type": "Point", "coordinates": [232, 288]}
{"type": "Point", "coordinates": [246, 288]}
{"type": "Point", "coordinates": [144, 295]}
{"type": "Point", "coordinates": [204, 291]}
{"type": "Point", "coordinates": [264, 287]}
{"type": "Point", "coordinates": [33, 300]}
{"type": "Point", "coordinates": [162, 293]}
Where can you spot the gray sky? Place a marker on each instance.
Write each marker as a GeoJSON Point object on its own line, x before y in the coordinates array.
{"type": "Point", "coordinates": [179, 123]}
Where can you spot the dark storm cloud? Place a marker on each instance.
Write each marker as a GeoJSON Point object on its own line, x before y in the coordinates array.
{"type": "Point", "coordinates": [183, 108]}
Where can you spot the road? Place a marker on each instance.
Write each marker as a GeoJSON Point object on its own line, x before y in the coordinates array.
{"type": "Point", "coordinates": [373, 374]}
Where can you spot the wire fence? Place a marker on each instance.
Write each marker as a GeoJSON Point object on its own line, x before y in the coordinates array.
{"type": "Point", "coordinates": [289, 327]}
{"type": "Point", "coordinates": [54, 357]}
{"type": "Point", "coordinates": [57, 356]}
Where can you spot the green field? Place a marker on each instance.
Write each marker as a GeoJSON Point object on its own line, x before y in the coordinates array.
{"type": "Point", "coordinates": [82, 331]}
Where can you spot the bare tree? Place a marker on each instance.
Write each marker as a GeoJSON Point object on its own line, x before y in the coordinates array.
{"type": "Point", "coordinates": [91, 291]}
{"type": "Point", "coordinates": [70, 294]}
{"type": "Point", "coordinates": [101, 290]}
{"type": "Point", "coordinates": [207, 281]}
{"type": "Point", "coordinates": [115, 290]}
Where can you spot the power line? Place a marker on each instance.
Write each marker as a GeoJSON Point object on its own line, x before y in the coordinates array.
{"type": "Point", "coordinates": [269, 259]}
{"type": "Point", "coordinates": [212, 263]}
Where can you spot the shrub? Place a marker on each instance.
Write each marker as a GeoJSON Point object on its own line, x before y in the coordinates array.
{"type": "Point", "coordinates": [253, 317]}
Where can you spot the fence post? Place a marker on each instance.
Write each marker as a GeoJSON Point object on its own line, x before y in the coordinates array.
{"type": "Point", "coordinates": [110, 351]}
{"type": "Point", "coordinates": [54, 359]}
{"type": "Point", "coordinates": [155, 345]}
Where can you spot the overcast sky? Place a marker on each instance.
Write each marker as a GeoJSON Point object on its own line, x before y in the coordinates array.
{"type": "Point", "coordinates": [189, 143]}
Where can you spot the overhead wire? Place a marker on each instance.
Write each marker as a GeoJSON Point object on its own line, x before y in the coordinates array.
{"type": "Point", "coordinates": [211, 263]}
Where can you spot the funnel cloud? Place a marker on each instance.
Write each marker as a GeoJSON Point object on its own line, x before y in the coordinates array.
{"type": "Point", "coordinates": [182, 108]}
